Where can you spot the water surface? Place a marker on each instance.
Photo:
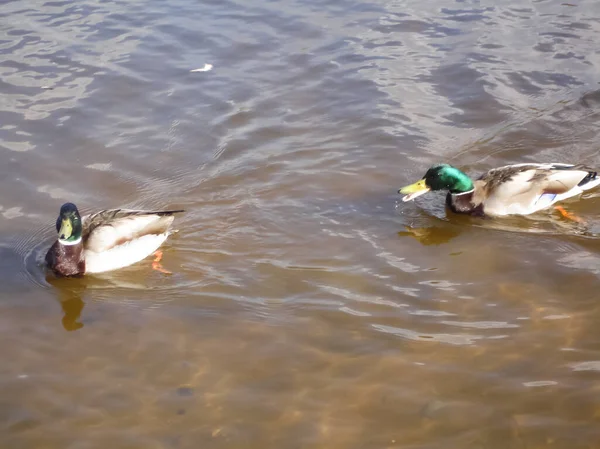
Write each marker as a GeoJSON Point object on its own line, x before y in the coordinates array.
{"type": "Point", "coordinates": [308, 306]}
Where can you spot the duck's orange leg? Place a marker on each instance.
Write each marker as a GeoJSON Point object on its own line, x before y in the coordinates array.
{"type": "Point", "coordinates": [156, 265]}
{"type": "Point", "coordinates": [568, 215]}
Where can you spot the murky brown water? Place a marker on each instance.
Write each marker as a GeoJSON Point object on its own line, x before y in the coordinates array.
{"type": "Point", "coordinates": [308, 308]}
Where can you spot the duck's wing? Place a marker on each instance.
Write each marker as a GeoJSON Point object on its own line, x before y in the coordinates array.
{"type": "Point", "coordinates": [107, 229]}
{"type": "Point", "coordinates": [526, 188]}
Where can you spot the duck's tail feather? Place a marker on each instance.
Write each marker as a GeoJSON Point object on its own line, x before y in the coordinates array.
{"type": "Point", "coordinates": [168, 212]}
{"type": "Point", "coordinates": [590, 181]}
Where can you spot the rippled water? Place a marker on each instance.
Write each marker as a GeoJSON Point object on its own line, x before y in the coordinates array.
{"type": "Point", "coordinates": [308, 306]}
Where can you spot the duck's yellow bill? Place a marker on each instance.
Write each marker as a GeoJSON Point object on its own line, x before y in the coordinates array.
{"type": "Point", "coordinates": [66, 229]}
{"type": "Point", "coordinates": [414, 190]}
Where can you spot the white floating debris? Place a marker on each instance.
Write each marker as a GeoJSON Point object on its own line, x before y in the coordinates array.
{"type": "Point", "coordinates": [206, 68]}
{"type": "Point", "coordinates": [101, 167]}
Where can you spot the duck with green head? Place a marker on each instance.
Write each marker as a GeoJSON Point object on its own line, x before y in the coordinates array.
{"type": "Point", "coordinates": [519, 189]}
{"type": "Point", "coordinates": [106, 240]}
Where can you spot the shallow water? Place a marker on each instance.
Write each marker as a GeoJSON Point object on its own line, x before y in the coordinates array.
{"type": "Point", "coordinates": [308, 306]}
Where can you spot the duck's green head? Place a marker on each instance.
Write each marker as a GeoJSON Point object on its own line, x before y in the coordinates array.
{"type": "Point", "coordinates": [438, 177]}
{"type": "Point", "coordinates": [68, 225]}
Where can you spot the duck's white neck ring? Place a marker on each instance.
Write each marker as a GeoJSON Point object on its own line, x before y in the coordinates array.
{"type": "Point", "coordinates": [463, 193]}
{"type": "Point", "coordinates": [64, 242]}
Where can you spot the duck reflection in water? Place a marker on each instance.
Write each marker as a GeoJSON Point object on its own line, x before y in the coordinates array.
{"type": "Point", "coordinates": [432, 235]}
{"type": "Point", "coordinates": [70, 294]}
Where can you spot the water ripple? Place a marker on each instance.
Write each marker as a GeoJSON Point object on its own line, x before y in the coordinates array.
{"type": "Point", "coordinates": [451, 339]}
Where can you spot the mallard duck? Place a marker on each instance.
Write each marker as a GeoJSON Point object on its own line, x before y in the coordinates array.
{"type": "Point", "coordinates": [519, 189]}
{"type": "Point", "coordinates": [107, 240]}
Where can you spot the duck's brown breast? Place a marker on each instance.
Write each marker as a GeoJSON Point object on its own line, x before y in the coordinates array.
{"type": "Point", "coordinates": [66, 260]}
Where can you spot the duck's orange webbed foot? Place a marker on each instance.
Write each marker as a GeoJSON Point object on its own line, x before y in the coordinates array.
{"type": "Point", "coordinates": [568, 215]}
{"type": "Point", "coordinates": [156, 265]}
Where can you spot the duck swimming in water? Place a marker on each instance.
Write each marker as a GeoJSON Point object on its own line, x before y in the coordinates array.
{"type": "Point", "coordinates": [106, 240]}
{"type": "Point", "coordinates": [519, 189]}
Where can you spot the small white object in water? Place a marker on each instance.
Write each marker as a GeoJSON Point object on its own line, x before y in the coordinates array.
{"type": "Point", "coordinates": [101, 167]}
{"type": "Point", "coordinates": [206, 68]}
